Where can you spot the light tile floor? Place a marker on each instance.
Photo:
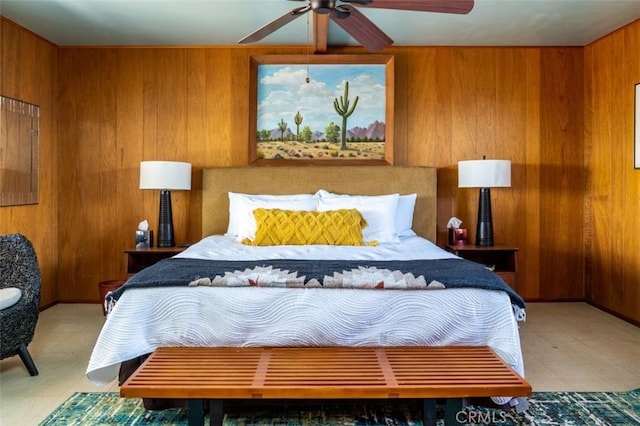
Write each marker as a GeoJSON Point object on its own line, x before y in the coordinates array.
{"type": "Point", "coordinates": [566, 346]}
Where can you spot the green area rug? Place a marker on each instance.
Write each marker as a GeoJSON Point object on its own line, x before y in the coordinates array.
{"type": "Point", "coordinates": [546, 408]}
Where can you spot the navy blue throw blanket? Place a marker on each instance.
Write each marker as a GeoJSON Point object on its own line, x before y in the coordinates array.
{"type": "Point", "coordinates": [393, 274]}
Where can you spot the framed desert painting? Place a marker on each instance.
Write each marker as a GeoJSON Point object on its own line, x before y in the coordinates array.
{"type": "Point", "coordinates": [321, 110]}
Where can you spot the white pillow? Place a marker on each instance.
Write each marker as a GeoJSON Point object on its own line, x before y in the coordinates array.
{"type": "Point", "coordinates": [379, 212]}
{"type": "Point", "coordinates": [9, 296]}
{"type": "Point", "coordinates": [242, 223]}
{"type": "Point", "coordinates": [404, 212]}
{"type": "Point", "coordinates": [404, 215]}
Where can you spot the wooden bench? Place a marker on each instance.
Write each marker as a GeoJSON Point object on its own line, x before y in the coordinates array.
{"type": "Point", "coordinates": [427, 373]}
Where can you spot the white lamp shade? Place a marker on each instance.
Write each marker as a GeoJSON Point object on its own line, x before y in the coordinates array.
{"type": "Point", "coordinates": [484, 173]}
{"type": "Point", "coordinates": [171, 175]}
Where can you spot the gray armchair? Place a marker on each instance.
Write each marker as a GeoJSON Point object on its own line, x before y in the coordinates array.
{"type": "Point", "coordinates": [19, 268]}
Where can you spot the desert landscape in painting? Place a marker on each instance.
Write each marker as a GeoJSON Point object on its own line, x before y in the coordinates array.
{"type": "Point", "coordinates": [293, 150]}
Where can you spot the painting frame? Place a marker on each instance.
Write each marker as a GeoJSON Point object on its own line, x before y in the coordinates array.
{"type": "Point", "coordinates": [314, 66]}
{"type": "Point", "coordinates": [636, 128]}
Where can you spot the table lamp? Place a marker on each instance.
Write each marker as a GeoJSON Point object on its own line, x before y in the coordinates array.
{"type": "Point", "coordinates": [484, 174]}
{"type": "Point", "coordinates": [165, 176]}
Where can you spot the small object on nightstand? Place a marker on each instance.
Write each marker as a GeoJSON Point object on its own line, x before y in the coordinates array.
{"type": "Point", "coordinates": [144, 237]}
{"type": "Point", "coordinates": [460, 237]}
{"type": "Point", "coordinates": [453, 224]}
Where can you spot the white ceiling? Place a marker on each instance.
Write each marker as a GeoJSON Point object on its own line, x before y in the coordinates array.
{"type": "Point", "coordinates": [224, 22]}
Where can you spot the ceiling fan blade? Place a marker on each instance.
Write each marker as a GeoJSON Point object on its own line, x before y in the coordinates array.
{"type": "Point", "coordinates": [363, 30]}
{"type": "Point", "coordinates": [274, 25]}
{"type": "Point", "coordinates": [443, 6]}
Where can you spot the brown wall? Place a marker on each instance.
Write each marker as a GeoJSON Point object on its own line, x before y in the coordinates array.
{"type": "Point", "coordinates": [121, 106]}
{"type": "Point", "coordinates": [612, 202]}
{"type": "Point", "coordinates": [28, 73]}
{"type": "Point", "coordinates": [118, 106]}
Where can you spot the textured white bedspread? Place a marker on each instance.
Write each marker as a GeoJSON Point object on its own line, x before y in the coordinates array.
{"type": "Point", "coordinates": [145, 319]}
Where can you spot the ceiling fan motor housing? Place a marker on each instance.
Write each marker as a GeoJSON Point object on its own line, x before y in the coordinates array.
{"type": "Point", "coordinates": [322, 7]}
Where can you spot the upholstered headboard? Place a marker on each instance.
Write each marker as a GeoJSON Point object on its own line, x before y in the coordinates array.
{"type": "Point", "coordinates": [364, 180]}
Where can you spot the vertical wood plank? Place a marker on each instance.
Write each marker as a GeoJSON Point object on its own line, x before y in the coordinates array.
{"type": "Point", "coordinates": [129, 153]}
{"type": "Point", "coordinates": [562, 178]}
{"type": "Point", "coordinates": [529, 256]}
{"type": "Point", "coordinates": [509, 204]}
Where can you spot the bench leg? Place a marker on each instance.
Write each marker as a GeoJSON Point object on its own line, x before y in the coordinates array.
{"type": "Point", "coordinates": [452, 408]}
{"type": "Point", "coordinates": [429, 411]}
{"type": "Point", "coordinates": [195, 412]}
{"type": "Point", "coordinates": [215, 412]}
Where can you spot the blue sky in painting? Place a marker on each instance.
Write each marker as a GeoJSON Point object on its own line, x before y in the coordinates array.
{"type": "Point", "coordinates": [283, 90]}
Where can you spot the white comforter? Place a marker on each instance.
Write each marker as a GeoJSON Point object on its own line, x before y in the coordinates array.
{"type": "Point", "coordinates": [145, 319]}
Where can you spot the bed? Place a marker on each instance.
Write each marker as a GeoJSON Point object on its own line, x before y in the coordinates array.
{"type": "Point", "coordinates": [399, 290]}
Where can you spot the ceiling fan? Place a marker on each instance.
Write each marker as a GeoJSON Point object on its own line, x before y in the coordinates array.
{"type": "Point", "coordinates": [354, 22]}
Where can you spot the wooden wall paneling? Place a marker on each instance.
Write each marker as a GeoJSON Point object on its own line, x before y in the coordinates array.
{"type": "Point", "coordinates": [443, 109]}
{"type": "Point", "coordinates": [420, 112]}
{"type": "Point", "coordinates": [589, 97]}
{"type": "Point", "coordinates": [486, 103]}
{"type": "Point", "coordinates": [449, 203]}
{"type": "Point", "coordinates": [171, 108]}
{"type": "Point", "coordinates": [222, 99]}
{"type": "Point", "coordinates": [130, 210]}
{"type": "Point", "coordinates": [423, 115]}
{"type": "Point", "coordinates": [629, 190]}
{"type": "Point", "coordinates": [27, 70]}
{"type": "Point", "coordinates": [197, 137]}
{"type": "Point", "coordinates": [492, 98]}
{"type": "Point", "coordinates": [172, 112]}
{"type": "Point", "coordinates": [611, 243]}
{"type": "Point", "coordinates": [402, 83]}
{"type": "Point", "coordinates": [631, 244]}
{"type": "Point", "coordinates": [618, 185]}
{"type": "Point", "coordinates": [509, 208]}
{"type": "Point", "coordinates": [149, 124]}
{"type": "Point", "coordinates": [237, 96]}
{"type": "Point", "coordinates": [45, 235]}
{"type": "Point", "coordinates": [592, 201]}
{"type": "Point", "coordinates": [562, 179]}
{"type": "Point", "coordinates": [529, 241]}
{"type": "Point", "coordinates": [87, 218]}
{"type": "Point", "coordinates": [9, 57]}
{"type": "Point", "coordinates": [599, 179]}
{"type": "Point", "coordinates": [109, 219]}
{"type": "Point", "coordinates": [67, 176]}
{"type": "Point", "coordinates": [455, 122]}
{"type": "Point", "coordinates": [464, 125]}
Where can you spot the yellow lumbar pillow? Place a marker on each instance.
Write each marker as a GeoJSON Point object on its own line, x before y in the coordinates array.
{"type": "Point", "coordinates": [304, 227]}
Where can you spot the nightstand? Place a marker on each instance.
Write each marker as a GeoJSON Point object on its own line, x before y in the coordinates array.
{"type": "Point", "coordinates": [501, 258]}
{"type": "Point", "coordinates": [138, 259]}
